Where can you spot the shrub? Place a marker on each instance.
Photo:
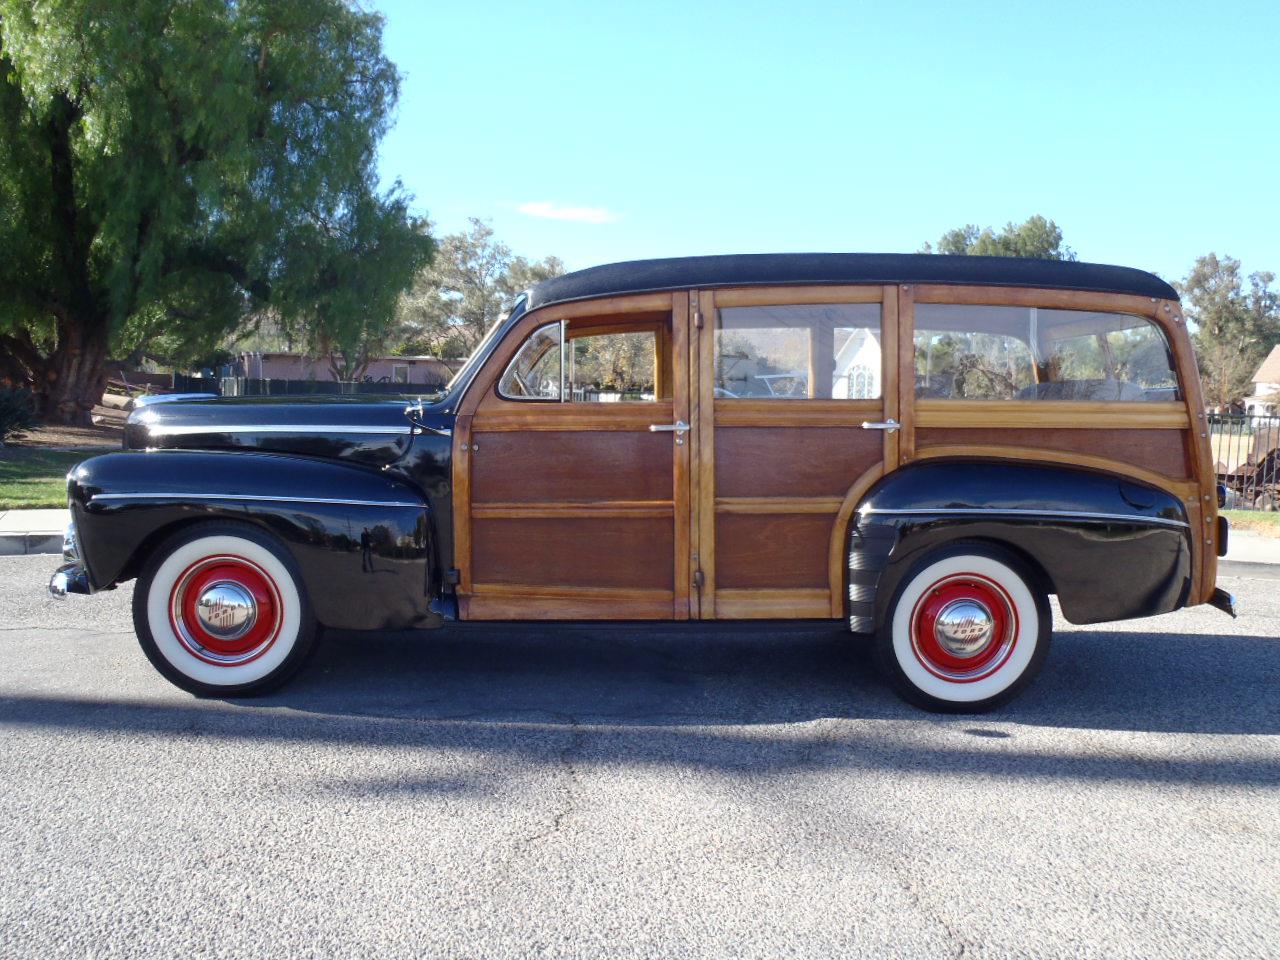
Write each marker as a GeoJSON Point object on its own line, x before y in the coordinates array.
{"type": "Point", "coordinates": [17, 412]}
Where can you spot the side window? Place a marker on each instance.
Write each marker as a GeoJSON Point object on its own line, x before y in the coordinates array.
{"type": "Point", "coordinates": [965, 352]}
{"type": "Point", "coordinates": [798, 351]}
{"type": "Point", "coordinates": [590, 363]}
{"type": "Point", "coordinates": [612, 367]}
{"type": "Point", "coordinates": [536, 371]}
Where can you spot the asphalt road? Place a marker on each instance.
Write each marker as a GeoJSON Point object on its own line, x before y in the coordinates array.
{"type": "Point", "coordinates": [657, 792]}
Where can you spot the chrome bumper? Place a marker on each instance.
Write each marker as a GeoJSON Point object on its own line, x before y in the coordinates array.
{"type": "Point", "coordinates": [71, 577]}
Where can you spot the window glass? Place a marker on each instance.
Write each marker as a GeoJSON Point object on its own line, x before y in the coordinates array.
{"type": "Point", "coordinates": [798, 351]}
{"type": "Point", "coordinates": [399, 373]}
{"type": "Point", "coordinates": [965, 352]}
{"type": "Point", "coordinates": [534, 373]}
{"type": "Point", "coordinates": [612, 367]}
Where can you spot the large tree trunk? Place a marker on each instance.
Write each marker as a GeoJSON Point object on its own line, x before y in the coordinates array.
{"type": "Point", "coordinates": [75, 374]}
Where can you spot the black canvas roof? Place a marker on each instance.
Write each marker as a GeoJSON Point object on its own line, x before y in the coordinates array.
{"type": "Point", "coordinates": [775, 269]}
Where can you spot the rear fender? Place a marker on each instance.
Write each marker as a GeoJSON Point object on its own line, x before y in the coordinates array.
{"type": "Point", "coordinates": [362, 540]}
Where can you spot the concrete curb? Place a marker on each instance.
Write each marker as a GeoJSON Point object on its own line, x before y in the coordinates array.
{"type": "Point", "coordinates": [1248, 569]}
{"type": "Point", "coordinates": [21, 544]}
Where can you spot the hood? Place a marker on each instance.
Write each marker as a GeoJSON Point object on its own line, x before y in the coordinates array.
{"type": "Point", "coordinates": [354, 430]}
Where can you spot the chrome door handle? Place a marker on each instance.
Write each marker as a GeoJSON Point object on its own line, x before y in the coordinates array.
{"type": "Point", "coordinates": [677, 428]}
{"type": "Point", "coordinates": [890, 425]}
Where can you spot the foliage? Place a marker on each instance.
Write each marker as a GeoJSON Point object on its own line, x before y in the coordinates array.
{"type": "Point", "coordinates": [167, 169]}
{"type": "Point", "coordinates": [17, 412]}
{"type": "Point", "coordinates": [453, 302]}
{"type": "Point", "coordinates": [1236, 326]}
{"type": "Point", "coordinates": [1036, 237]}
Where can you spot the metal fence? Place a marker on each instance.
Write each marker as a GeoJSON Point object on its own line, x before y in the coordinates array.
{"type": "Point", "coordinates": [1246, 453]}
{"type": "Point", "coordinates": [253, 387]}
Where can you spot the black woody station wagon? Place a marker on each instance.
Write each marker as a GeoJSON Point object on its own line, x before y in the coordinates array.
{"type": "Point", "coordinates": [924, 447]}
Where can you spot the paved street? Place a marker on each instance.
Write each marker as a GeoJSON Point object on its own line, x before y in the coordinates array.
{"type": "Point", "coordinates": [582, 792]}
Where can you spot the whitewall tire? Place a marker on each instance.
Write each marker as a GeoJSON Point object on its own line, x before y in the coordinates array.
{"type": "Point", "coordinates": [965, 630]}
{"type": "Point", "coordinates": [221, 610]}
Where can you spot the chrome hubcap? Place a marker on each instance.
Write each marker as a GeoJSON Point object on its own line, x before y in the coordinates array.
{"type": "Point", "coordinates": [964, 628]}
{"type": "Point", "coordinates": [226, 610]}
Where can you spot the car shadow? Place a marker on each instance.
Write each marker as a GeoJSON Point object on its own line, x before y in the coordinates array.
{"type": "Point", "coordinates": [758, 700]}
{"type": "Point", "coordinates": [747, 674]}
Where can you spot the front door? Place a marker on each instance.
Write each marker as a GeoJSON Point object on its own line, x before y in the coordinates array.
{"type": "Point", "coordinates": [572, 467]}
{"type": "Point", "coordinates": [796, 400]}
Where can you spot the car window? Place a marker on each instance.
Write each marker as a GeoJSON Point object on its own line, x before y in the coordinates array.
{"type": "Point", "coordinates": [596, 366]}
{"type": "Point", "coordinates": [536, 371]}
{"type": "Point", "coordinates": [612, 367]}
{"type": "Point", "coordinates": [798, 352]}
{"type": "Point", "coordinates": [978, 352]}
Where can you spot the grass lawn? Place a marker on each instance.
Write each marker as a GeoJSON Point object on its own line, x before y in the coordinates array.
{"type": "Point", "coordinates": [36, 478]}
{"type": "Point", "coordinates": [1255, 521]}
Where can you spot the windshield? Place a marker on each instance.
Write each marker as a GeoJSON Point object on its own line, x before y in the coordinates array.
{"type": "Point", "coordinates": [482, 348]}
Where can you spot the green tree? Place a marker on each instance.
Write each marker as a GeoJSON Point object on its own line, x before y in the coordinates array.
{"type": "Point", "coordinates": [1036, 237]}
{"type": "Point", "coordinates": [1236, 326]}
{"type": "Point", "coordinates": [463, 292]}
{"type": "Point", "coordinates": [169, 169]}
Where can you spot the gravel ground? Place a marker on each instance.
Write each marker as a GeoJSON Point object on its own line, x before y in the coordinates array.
{"type": "Point", "coordinates": [660, 792]}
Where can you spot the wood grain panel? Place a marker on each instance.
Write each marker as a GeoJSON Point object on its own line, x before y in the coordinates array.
{"type": "Point", "coordinates": [571, 466]}
{"type": "Point", "coordinates": [1056, 414]}
{"type": "Point", "coordinates": [792, 462]}
{"type": "Point", "coordinates": [758, 551]}
{"type": "Point", "coordinates": [796, 413]}
{"type": "Point", "coordinates": [1161, 451]}
{"type": "Point", "coordinates": [501, 602]}
{"type": "Point", "coordinates": [773, 604]}
{"type": "Point", "coordinates": [568, 552]}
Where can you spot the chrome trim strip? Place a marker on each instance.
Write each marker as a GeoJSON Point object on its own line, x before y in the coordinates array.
{"type": "Point", "coordinates": [177, 495]}
{"type": "Point", "coordinates": [176, 430]}
{"type": "Point", "coordinates": [1018, 512]}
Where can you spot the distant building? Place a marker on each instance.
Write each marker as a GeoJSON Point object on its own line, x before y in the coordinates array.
{"type": "Point", "coordinates": [259, 365]}
{"type": "Point", "coordinates": [1266, 387]}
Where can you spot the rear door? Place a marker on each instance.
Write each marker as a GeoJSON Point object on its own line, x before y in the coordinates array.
{"type": "Point", "coordinates": [794, 411]}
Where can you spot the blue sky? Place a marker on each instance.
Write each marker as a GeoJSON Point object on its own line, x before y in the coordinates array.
{"type": "Point", "coordinates": [598, 131]}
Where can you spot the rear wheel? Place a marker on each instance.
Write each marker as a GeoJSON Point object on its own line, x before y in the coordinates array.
{"type": "Point", "coordinates": [221, 610]}
{"type": "Point", "coordinates": [966, 629]}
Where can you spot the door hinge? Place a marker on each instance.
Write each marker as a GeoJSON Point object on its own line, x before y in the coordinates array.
{"type": "Point", "coordinates": [699, 578]}
{"type": "Point", "coordinates": [453, 576]}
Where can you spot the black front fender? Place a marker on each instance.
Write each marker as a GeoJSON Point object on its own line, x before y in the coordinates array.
{"type": "Point", "coordinates": [362, 539]}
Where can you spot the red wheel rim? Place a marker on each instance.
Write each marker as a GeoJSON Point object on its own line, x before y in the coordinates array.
{"type": "Point", "coordinates": [207, 628]}
{"type": "Point", "coordinates": [964, 627]}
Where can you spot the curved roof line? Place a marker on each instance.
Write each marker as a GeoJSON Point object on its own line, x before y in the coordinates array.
{"type": "Point", "coordinates": [778, 269]}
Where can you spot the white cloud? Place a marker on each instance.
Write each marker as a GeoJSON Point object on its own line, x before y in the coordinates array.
{"type": "Point", "coordinates": [552, 211]}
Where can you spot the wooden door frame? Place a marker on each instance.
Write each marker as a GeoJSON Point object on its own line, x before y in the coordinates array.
{"type": "Point", "coordinates": [495, 413]}
{"type": "Point", "coordinates": [793, 603]}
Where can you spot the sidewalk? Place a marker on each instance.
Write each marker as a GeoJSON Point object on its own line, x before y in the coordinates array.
{"type": "Point", "coordinates": [32, 531]}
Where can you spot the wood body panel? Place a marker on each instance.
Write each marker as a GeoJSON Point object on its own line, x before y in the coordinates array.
{"type": "Point", "coordinates": [583, 551]}
{"type": "Point", "coordinates": [1160, 451]}
{"type": "Point", "coordinates": [571, 465]}
{"type": "Point", "coordinates": [792, 462]}
{"type": "Point", "coordinates": [763, 551]}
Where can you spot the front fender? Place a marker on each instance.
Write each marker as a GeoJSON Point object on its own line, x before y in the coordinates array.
{"type": "Point", "coordinates": [362, 540]}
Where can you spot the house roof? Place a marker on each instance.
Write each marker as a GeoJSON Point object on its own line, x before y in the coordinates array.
{"type": "Point", "coordinates": [773, 269]}
{"type": "Point", "coordinates": [1269, 372]}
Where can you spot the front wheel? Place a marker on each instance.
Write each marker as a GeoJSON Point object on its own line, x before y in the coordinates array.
{"type": "Point", "coordinates": [966, 629]}
{"type": "Point", "coordinates": [220, 610]}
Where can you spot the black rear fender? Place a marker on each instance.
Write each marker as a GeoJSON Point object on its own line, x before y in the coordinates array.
{"type": "Point", "coordinates": [362, 540]}
{"type": "Point", "coordinates": [1110, 547]}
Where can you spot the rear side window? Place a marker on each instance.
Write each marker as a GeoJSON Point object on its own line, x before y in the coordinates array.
{"type": "Point", "coordinates": [798, 352]}
{"type": "Point", "coordinates": [965, 352]}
